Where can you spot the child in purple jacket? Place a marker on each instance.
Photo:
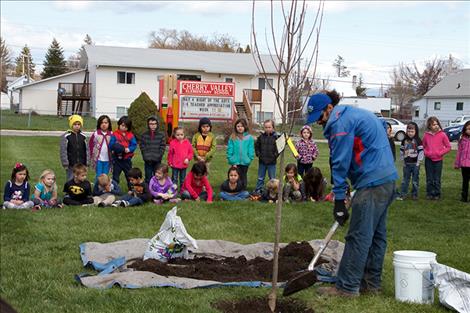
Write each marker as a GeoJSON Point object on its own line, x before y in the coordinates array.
{"type": "Point", "coordinates": [462, 160]}
{"type": "Point", "coordinates": [308, 150]}
{"type": "Point", "coordinates": [161, 187]}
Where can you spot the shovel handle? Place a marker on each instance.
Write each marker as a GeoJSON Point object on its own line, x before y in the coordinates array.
{"type": "Point", "coordinates": [323, 246]}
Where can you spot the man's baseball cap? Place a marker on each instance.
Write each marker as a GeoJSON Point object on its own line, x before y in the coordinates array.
{"type": "Point", "coordinates": [316, 104]}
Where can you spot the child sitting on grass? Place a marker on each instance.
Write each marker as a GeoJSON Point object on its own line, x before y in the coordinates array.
{"type": "Point", "coordinates": [161, 187]}
{"type": "Point", "coordinates": [138, 190]}
{"type": "Point", "coordinates": [105, 191]}
{"type": "Point", "coordinates": [16, 193]}
{"type": "Point", "coordinates": [196, 185]}
{"type": "Point", "coordinates": [314, 185]}
{"type": "Point", "coordinates": [233, 188]}
{"type": "Point", "coordinates": [270, 194]}
{"type": "Point", "coordinates": [78, 189]}
{"type": "Point", "coordinates": [293, 188]}
{"type": "Point", "coordinates": [45, 192]}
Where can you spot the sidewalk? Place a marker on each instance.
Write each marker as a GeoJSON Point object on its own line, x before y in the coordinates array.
{"type": "Point", "coordinates": [58, 133]}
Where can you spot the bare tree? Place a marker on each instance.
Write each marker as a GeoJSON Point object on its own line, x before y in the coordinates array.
{"type": "Point", "coordinates": [341, 69]}
{"type": "Point", "coordinates": [6, 63]}
{"type": "Point", "coordinates": [289, 46]}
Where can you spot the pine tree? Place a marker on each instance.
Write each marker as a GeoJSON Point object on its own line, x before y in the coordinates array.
{"type": "Point", "coordinates": [247, 49]}
{"type": "Point", "coordinates": [82, 54]}
{"type": "Point", "coordinates": [55, 62]}
{"type": "Point", "coordinates": [26, 58]}
{"type": "Point", "coordinates": [5, 62]}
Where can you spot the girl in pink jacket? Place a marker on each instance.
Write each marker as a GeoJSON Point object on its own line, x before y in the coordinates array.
{"type": "Point", "coordinates": [462, 159]}
{"type": "Point", "coordinates": [436, 145]}
{"type": "Point", "coordinates": [179, 155]}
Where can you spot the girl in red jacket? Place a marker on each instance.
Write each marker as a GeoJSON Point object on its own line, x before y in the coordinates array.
{"type": "Point", "coordinates": [179, 155]}
{"type": "Point", "coordinates": [436, 145]}
{"type": "Point", "coordinates": [462, 160]}
{"type": "Point", "coordinates": [196, 185]}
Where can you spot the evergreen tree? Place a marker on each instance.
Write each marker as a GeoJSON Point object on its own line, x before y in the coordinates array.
{"type": "Point", "coordinates": [26, 58]}
{"type": "Point", "coordinates": [247, 49]}
{"type": "Point", "coordinates": [341, 69]}
{"type": "Point", "coordinates": [55, 62]}
{"type": "Point", "coordinates": [82, 54]}
{"type": "Point", "coordinates": [5, 61]}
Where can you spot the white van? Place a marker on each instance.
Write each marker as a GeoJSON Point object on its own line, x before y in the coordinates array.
{"type": "Point", "coordinates": [460, 120]}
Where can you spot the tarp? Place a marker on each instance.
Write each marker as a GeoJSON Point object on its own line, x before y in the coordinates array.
{"type": "Point", "coordinates": [111, 259]}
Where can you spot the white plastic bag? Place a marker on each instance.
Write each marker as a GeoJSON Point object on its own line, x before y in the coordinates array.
{"type": "Point", "coordinates": [453, 286]}
{"type": "Point", "coordinates": [171, 241]}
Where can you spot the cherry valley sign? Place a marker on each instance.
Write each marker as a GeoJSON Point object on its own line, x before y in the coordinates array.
{"type": "Point", "coordinates": [206, 99]}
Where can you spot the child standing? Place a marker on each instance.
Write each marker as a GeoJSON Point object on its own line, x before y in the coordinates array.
{"type": "Point", "coordinates": [45, 192]}
{"type": "Point", "coordinates": [241, 149]}
{"type": "Point", "coordinates": [105, 191]}
{"type": "Point", "coordinates": [307, 149]}
{"type": "Point", "coordinates": [315, 185]}
{"type": "Point", "coordinates": [204, 143]}
{"type": "Point", "coordinates": [391, 141]}
{"type": "Point", "coordinates": [16, 192]}
{"type": "Point", "coordinates": [436, 145]}
{"type": "Point", "coordinates": [462, 159]}
{"type": "Point", "coordinates": [293, 189]}
{"type": "Point", "coordinates": [138, 192]}
{"type": "Point", "coordinates": [266, 151]}
{"type": "Point", "coordinates": [179, 155]}
{"type": "Point", "coordinates": [412, 154]}
{"type": "Point", "coordinates": [123, 145]}
{"type": "Point", "coordinates": [78, 189]}
{"type": "Point", "coordinates": [152, 146]}
{"type": "Point", "coordinates": [233, 188]}
{"type": "Point", "coordinates": [73, 146]}
{"type": "Point", "coordinates": [161, 187]}
{"type": "Point", "coordinates": [100, 153]}
{"type": "Point", "coordinates": [196, 185]}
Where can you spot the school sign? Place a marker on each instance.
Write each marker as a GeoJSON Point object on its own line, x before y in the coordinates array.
{"type": "Point", "coordinates": [206, 99]}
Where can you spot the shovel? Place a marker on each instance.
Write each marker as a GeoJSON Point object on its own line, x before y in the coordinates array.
{"type": "Point", "coordinates": [308, 277]}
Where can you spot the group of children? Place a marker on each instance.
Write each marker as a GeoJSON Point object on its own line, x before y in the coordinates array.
{"type": "Point", "coordinates": [113, 150]}
{"type": "Point", "coordinates": [431, 150]}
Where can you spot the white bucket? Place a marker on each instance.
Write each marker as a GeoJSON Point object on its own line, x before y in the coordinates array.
{"type": "Point", "coordinates": [413, 277]}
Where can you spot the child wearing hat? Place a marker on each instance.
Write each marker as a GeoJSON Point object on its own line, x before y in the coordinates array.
{"type": "Point", "coordinates": [204, 143]}
{"type": "Point", "coordinates": [307, 149]}
{"type": "Point", "coordinates": [73, 146]}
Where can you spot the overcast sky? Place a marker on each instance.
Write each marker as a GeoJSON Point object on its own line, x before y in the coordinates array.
{"type": "Point", "coordinates": [372, 37]}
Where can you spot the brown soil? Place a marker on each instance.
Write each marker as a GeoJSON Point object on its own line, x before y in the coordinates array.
{"type": "Point", "coordinates": [293, 258]}
{"type": "Point", "coordinates": [260, 305]}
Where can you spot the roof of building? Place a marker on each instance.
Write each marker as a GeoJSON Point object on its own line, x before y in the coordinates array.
{"type": "Point", "coordinates": [205, 61]}
{"type": "Point", "coordinates": [19, 81]}
{"type": "Point", "coordinates": [47, 79]}
{"type": "Point", "coordinates": [454, 85]}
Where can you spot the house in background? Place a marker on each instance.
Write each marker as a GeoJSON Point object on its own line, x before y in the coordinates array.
{"type": "Point", "coordinates": [13, 93]}
{"type": "Point", "coordinates": [449, 99]}
{"type": "Point", "coordinates": [115, 76]}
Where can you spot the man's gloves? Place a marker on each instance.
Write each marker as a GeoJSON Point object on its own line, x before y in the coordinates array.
{"type": "Point", "coordinates": [340, 213]}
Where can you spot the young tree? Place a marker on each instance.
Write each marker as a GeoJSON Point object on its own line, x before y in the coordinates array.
{"type": "Point", "coordinates": [341, 69]}
{"type": "Point", "coordinates": [82, 57]}
{"type": "Point", "coordinates": [24, 62]}
{"type": "Point", "coordinates": [360, 89]}
{"type": "Point", "coordinates": [5, 61]}
{"type": "Point", "coordinates": [55, 62]}
{"type": "Point", "coordinates": [291, 41]}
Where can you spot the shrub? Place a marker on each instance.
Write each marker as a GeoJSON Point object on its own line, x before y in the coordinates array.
{"type": "Point", "coordinates": [142, 108]}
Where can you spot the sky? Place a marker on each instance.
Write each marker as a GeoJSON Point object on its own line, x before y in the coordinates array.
{"type": "Point", "coordinates": [373, 37]}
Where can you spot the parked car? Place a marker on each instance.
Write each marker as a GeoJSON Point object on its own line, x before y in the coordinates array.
{"type": "Point", "coordinates": [460, 120]}
{"type": "Point", "coordinates": [453, 132]}
{"type": "Point", "coordinates": [398, 128]}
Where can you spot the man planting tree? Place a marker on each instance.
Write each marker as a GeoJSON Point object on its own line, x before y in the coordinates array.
{"type": "Point", "coordinates": [359, 150]}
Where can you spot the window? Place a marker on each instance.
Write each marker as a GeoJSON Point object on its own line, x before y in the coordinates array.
{"type": "Point", "coordinates": [125, 78]}
{"type": "Point", "coordinates": [417, 113]}
{"type": "Point", "coordinates": [262, 83]}
{"type": "Point", "coordinates": [229, 79]}
{"type": "Point", "coordinates": [437, 106]}
{"type": "Point", "coordinates": [459, 106]}
{"type": "Point", "coordinates": [263, 116]}
{"type": "Point", "coordinates": [120, 112]}
{"type": "Point", "coordinates": [189, 77]}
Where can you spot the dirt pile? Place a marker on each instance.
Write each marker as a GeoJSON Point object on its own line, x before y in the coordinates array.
{"type": "Point", "coordinates": [293, 258]}
{"type": "Point", "coordinates": [260, 305]}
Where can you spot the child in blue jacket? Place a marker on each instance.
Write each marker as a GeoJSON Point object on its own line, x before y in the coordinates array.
{"type": "Point", "coordinates": [241, 149]}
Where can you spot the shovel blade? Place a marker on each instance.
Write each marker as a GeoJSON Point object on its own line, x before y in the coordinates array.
{"type": "Point", "coordinates": [302, 281]}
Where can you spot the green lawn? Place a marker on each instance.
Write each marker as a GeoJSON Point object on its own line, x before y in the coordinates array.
{"type": "Point", "coordinates": [39, 252]}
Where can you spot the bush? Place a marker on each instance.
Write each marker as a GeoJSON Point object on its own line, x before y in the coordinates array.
{"type": "Point", "coordinates": [142, 108]}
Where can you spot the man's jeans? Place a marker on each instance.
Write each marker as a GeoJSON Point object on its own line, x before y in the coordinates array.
{"type": "Point", "coordinates": [262, 168]}
{"type": "Point", "coordinates": [242, 195]}
{"type": "Point", "coordinates": [366, 241]}
{"type": "Point", "coordinates": [433, 177]}
{"type": "Point", "coordinates": [410, 171]}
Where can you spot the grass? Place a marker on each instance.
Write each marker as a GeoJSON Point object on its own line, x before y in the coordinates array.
{"type": "Point", "coordinates": [39, 253]}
